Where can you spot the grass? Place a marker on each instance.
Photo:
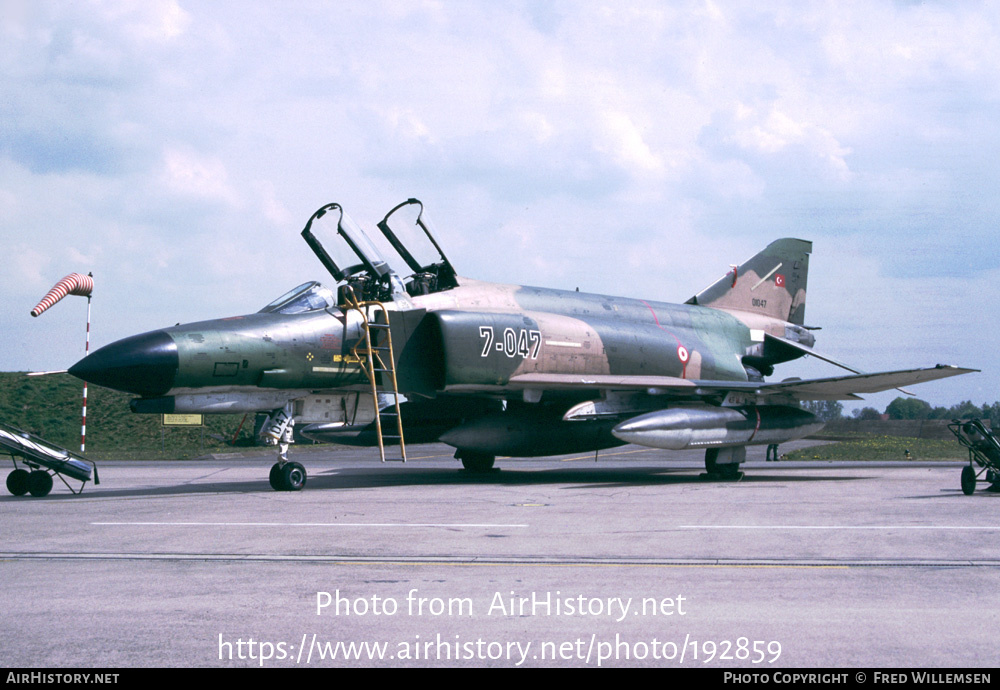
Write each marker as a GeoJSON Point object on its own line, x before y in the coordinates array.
{"type": "Point", "coordinates": [879, 448]}
{"type": "Point", "coordinates": [51, 407]}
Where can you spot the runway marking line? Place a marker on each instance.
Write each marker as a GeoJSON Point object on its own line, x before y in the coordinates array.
{"type": "Point", "coordinates": [301, 524]}
{"type": "Point", "coordinates": [845, 527]}
{"type": "Point", "coordinates": [334, 560]}
{"type": "Point", "coordinates": [522, 526]}
{"type": "Point", "coordinates": [624, 452]}
{"type": "Point", "coordinates": [482, 561]}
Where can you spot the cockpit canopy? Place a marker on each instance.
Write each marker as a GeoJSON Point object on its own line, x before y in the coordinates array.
{"type": "Point", "coordinates": [309, 296]}
{"type": "Point", "coordinates": [360, 265]}
{"type": "Point", "coordinates": [432, 272]}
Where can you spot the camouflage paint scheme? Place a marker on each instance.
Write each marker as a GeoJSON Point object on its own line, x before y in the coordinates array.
{"type": "Point", "coordinates": [504, 369]}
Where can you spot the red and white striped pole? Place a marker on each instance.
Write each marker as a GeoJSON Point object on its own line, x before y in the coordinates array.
{"type": "Point", "coordinates": [86, 351]}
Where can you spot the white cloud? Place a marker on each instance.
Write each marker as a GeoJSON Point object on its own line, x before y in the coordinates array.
{"type": "Point", "coordinates": [627, 145]}
{"type": "Point", "coordinates": [625, 149]}
{"type": "Point", "coordinates": [28, 266]}
{"type": "Point", "coordinates": [151, 20]}
{"type": "Point", "coordinates": [272, 207]}
{"type": "Point", "coordinates": [203, 177]}
{"type": "Point", "coordinates": [776, 131]}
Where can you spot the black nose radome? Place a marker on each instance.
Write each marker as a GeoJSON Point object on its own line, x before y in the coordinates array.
{"type": "Point", "coordinates": [142, 364]}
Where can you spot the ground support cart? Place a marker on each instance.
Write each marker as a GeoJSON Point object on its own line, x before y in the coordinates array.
{"type": "Point", "coordinates": [43, 460]}
{"type": "Point", "coordinates": [984, 452]}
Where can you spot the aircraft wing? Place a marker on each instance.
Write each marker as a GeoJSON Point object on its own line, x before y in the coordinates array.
{"type": "Point", "coordinates": [850, 386]}
{"type": "Point", "coordinates": [846, 387]}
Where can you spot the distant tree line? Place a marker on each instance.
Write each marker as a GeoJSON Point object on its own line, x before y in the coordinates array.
{"type": "Point", "coordinates": [908, 408]}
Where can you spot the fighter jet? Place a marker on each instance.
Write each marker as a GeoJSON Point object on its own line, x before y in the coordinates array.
{"type": "Point", "coordinates": [407, 351]}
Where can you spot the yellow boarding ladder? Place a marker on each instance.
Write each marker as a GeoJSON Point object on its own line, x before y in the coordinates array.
{"type": "Point", "coordinates": [376, 358]}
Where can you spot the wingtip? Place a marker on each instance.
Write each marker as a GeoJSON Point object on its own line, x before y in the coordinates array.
{"type": "Point", "coordinates": [963, 370]}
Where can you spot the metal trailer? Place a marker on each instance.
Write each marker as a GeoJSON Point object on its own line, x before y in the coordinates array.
{"type": "Point", "coordinates": [984, 451]}
{"type": "Point", "coordinates": [44, 460]}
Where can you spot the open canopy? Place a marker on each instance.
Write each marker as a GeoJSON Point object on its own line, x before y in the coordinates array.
{"type": "Point", "coordinates": [355, 259]}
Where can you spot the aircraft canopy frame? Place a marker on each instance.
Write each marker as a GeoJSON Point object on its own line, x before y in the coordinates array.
{"type": "Point", "coordinates": [310, 296]}
{"type": "Point", "coordinates": [439, 270]}
{"type": "Point", "coordinates": [371, 259]}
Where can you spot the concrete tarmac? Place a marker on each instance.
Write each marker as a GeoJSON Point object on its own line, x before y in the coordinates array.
{"type": "Point", "coordinates": [629, 560]}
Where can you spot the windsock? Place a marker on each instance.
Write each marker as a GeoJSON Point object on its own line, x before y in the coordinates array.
{"type": "Point", "coordinates": [73, 284]}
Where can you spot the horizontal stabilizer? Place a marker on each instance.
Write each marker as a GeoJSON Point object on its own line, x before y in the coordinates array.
{"type": "Point", "coordinates": [812, 353]}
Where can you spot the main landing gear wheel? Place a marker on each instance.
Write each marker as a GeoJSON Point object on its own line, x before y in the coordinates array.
{"type": "Point", "coordinates": [728, 472]}
{"type": "Point", "coordinates": [39, 483]}
{"type": "Point", "coordinates": [288, 477]}
{"type": "Point", "coordinates": [714, 470]}
{"type": "Point", "coordinates": [968, 480]}
{"type": "Point", "coordinates": [478, 462]}
{"type": "Point", "coordinates": [17, 482]}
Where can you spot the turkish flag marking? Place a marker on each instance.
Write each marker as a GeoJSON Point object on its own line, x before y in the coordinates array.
{"type": "Point", "coordinates": [779, 280]}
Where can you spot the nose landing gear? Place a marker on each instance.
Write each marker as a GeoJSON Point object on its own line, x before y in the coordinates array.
{"type": "Point", "coordinates": [288, 476]}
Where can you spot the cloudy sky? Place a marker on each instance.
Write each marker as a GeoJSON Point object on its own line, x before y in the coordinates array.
{"type": "Point", "coordinates": [176, 148]}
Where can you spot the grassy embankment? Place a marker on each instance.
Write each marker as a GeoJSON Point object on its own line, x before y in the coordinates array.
{"type": "Point", "coordinates": [881, 448]}
{"type": "Point", "coordinates": [50, 406]}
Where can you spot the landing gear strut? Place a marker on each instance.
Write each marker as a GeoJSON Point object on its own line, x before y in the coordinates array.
{"type": "Point", "coordinates": [277, 430]}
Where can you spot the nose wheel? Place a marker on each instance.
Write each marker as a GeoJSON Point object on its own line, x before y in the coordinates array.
{"type": "Point", "coordinates": [288, 476]}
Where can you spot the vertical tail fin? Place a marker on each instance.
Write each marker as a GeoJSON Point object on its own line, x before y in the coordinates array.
{"type": "Point", "coordinates": [771, 283]}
